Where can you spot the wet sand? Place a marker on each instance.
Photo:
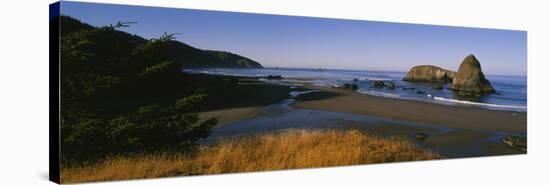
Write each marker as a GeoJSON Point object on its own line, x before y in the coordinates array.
{"type": "Point", "coordinates": [339, 100]}
{"type": "Point", "coordinates": [231, 99]}
{"type": "Point", "coordinates": [453, 131]}
{"type": "Point", "coordinates": [476, 131]}
{"type": "Point", "coordinates": [225, 116]}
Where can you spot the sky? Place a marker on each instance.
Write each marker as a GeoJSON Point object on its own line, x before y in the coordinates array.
{"type": "Point", "coordinates": [307, 42]}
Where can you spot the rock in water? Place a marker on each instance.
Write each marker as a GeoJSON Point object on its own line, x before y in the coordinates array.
{"type": "Point", "coordinates": [470, 80]}
{"type": "Point", "coordinates": [378, 84]}
{"type": "Point", "coordinates": [354, 87]}
{"type": "Point", "coordinates": [429, 73]}
{"type": "Point", "coordinates": [390, 85]}
{"type": "Point", "coordinates": [350, 86]}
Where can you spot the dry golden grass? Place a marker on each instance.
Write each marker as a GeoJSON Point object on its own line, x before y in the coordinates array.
{"type": "Point", "coordinates": [271, 151]}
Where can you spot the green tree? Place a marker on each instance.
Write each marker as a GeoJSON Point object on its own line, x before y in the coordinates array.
{"type": "Point", "coordinates": [121, 94]}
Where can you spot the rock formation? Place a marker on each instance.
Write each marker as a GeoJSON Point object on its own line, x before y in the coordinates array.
{"type": "Point", "coordinates": [390, 85]}
{"type": "Point", "coordinates": [429, 73]}
{"type": "Point", "coordinates": [350, 86]}
{"type": "Point", "coordinates": [378, 84]}
{"type": "Point", "coordinates": [470, 80]}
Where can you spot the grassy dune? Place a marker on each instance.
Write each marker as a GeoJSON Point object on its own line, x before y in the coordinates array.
{"type": "Point", "coordinates": [270, 151]}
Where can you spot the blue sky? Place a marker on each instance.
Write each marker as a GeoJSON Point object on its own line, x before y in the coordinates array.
{"type": "Point", "coordinates": [306, 42]}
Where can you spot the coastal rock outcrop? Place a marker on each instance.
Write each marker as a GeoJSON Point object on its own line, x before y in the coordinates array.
{"type": "Point", "coordinates": [378, 84]}
{"type": "Point", "coordinates": [274, 77]}
{"type": "Point", "coordinates": [390, 85]}
{"type": "Point", "coordinates": [429, 73]}
{"type": "Point", "coordinates": [350, 86]}
{"type": "Point", "coordinates": [470, 80]}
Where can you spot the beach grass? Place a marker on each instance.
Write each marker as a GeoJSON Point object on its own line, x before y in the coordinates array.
{"type": "Point", "coordinates": [289, 149]}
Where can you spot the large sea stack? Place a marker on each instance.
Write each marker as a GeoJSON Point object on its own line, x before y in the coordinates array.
{"type": "Point", "coordinates": [470, 80]}
{"type": "Point", "coordinates": [429, 73]}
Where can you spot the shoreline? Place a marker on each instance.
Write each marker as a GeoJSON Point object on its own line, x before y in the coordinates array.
{"type": "Point", "coordinates": [474, 118]}
{"type": "Point", "coordinates": [348, 101]}
{"type": "Point", "coordinates": [502, 100]}
{"type": "Point", "coordinates": [229, 115]}
{"type": "Point", "coordinates": [454, 131]}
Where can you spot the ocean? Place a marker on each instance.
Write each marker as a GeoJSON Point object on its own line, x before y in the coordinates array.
{"type": "Point", "coordinates": [511, 90]}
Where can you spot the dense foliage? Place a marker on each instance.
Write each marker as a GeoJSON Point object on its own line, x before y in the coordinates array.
{"type": "Point", "coordinates": [121, 93]}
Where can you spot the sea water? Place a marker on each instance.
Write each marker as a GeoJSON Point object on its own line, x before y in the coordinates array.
{"type": "Point", "coordinates": [511, 91]}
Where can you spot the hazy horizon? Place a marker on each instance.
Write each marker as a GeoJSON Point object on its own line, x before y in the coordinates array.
{"type": "Point", "coordinates": [306, 42]}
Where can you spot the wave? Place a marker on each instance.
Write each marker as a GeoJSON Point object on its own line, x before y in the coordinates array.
{"type": "Point", "coordinates": [480, 104]}
{"type": "Point", "coordinates": [298, 93]}
{"type": "Point", "coordinates": [330, 74]}
{"type": "Point", "coordinates": [218, 72]}
{"type": "Point", "coordinates": [296, 81]}
{"type": "Point", "coordinates": [325, 84]}
{"type": "Point", "coordinates": [375, 79]}
{"type": "Point", "coordinates": [446, 101]}
{"type": "Point", "coordinates": [376, 93]}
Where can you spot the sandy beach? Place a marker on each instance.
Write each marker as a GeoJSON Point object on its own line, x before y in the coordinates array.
{"type": "Point", "coordinates": [474, 127]}
{"type": "Point", "coordinates": [338, 100]}
{"type": "Point", "coordinates": [468, 131]}
{"type": "Point", "coordinates": [231, 115]}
